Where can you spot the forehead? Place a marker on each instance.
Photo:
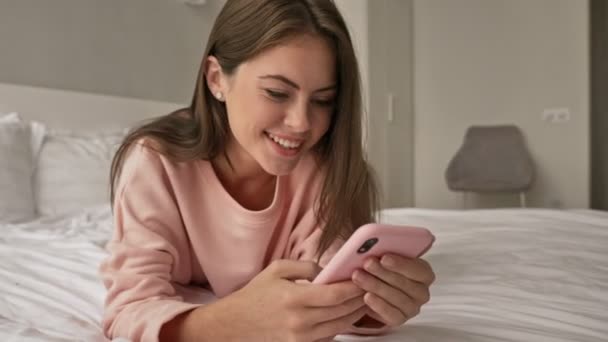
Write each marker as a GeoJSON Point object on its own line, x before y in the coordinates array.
{"type": "Point", "coordinates": [307, 60]}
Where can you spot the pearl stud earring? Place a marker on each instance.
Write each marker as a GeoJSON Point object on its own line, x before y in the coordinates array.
{"type": "Point", "coordinates": [219, 95]}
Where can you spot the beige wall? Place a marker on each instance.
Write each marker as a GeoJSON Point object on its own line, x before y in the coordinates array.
{"type": "Point", "coordinates": [502, 61]}
{"type": "Point", "coordinates": [390, 64]}
{"type": "Point", "coordinates": [356, 17]}
{"type": "Point", "coordinates": [475, 62]}
{"type": "Point", "coordinates": [148, 49]}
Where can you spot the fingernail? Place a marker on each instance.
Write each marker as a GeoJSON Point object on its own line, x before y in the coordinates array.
{"type": "Point", "coordinates": [387, 261]}
{"type": "Point", "coordinates": [357, 276]}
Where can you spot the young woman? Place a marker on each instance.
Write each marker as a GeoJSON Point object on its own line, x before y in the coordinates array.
{"type": "Point", "coordinates": [251, 188]}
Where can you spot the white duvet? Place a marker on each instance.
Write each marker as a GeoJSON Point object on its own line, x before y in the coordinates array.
{"type": "Point", "coordinates": [502, 275]}
{"type": "Point", "coordinates": [49, 287]}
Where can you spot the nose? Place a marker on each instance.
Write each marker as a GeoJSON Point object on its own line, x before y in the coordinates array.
{"type": "Point", "coordinates": [297, 117]}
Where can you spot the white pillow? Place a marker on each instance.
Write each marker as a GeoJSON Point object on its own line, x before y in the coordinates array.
{"type": "Point", "coordinates": [19, 145]}
{"type": "Point", "coordinates": [73, 171]}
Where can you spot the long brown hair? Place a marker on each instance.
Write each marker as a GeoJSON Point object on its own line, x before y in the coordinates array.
{"type": "Point", "coordinates": [243, 29]}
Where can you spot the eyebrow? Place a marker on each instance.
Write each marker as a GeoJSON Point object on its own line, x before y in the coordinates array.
{"type": "Point", "coordinates": [294, 84]}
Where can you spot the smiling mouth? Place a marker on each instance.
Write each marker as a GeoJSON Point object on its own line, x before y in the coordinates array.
{"type": "Point", "coordinates": [284, 143]}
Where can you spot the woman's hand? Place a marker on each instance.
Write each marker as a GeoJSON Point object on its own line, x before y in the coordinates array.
{"type": "Point", "coordinates": [272, 307]}
{"type": "Point", "coordinates": [396, 287]}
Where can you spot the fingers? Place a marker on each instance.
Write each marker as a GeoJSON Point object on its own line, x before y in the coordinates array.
{"type": "Point", "coordinates": [316, 316]}
{"type": "Point", "coordinates": [396, 287]}
{"type": "Point", "coordinates": [416, 291]}
{"type": "Point", "coordinates": [415, 269]}
{"type": "Point", "coordinates": [307, 294]}
{"type": "Point", "coordinates": [293, 269]}
{"type": "Point", "coordinates": [317, 295]}
{"type": "Point", "coordinates": [389, 313]}
{"type": "Point", "coordinates": [398, 300]}
{"type": "Point", "coordinates": [324, 314]}
{"type": "Point", "coordinates": [312, 324]}
{"type": "Point", "coordinates": [336, 326]}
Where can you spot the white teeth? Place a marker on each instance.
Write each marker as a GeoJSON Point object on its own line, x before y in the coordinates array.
{"type": "Point", "coordinates": [285, 143]}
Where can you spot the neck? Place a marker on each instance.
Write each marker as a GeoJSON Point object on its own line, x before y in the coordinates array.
{"type": "Point", "coordinates": [245, 180]}
{"type": "Point", "coordinates": [239, 168]}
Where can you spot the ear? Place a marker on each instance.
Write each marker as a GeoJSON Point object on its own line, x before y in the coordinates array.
{"type": "Point", "coordinates": [215, 78]}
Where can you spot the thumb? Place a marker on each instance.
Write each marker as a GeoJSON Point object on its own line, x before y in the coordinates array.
{"type": "Point", "coordinates": [294, 269]}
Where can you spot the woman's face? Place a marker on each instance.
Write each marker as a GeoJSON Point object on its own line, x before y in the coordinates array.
{"type": "Point", "coordinates": [280, 104]}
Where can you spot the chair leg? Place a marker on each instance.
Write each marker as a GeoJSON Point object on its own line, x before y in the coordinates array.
{"type": "Point", "coordinates": [522, 199]}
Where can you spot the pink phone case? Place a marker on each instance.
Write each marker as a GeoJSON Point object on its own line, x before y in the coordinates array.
{"type": "Point", "coordinates": [374, 239]}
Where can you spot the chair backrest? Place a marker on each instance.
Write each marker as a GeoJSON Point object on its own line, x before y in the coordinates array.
{"type": "Point", "coordinates": [491, 159]}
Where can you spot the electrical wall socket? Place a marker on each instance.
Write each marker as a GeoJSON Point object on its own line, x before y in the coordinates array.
{"type": "Point", "coordinates": [194, 3]}
{"type": "Point", "coordinates": [556, 115]}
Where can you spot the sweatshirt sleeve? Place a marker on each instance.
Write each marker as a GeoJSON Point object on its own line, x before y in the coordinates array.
{"type": "Point", "coordinates": [304, 241]}
{"type": "Point", "coordinates": [149, 241]}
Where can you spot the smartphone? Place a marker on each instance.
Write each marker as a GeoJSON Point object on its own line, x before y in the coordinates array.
{"type": "Point", "coordinates": [374, 239]}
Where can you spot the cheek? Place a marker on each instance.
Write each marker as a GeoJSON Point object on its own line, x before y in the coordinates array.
{"type": "Point", "coordinates": [266, 116]}
{"type": "Point", "coordinates": [251, 116]}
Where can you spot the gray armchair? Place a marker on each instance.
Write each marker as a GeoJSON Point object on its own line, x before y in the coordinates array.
{"type": "Point", "coordinates": [492, 159]}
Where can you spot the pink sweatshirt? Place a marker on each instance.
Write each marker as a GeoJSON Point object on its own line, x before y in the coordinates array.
{"type": "Point", "coordinates": [177, 230]}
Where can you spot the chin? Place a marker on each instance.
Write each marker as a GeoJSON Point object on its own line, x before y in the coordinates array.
{"type": "Point", "coordinates": [280, 169]}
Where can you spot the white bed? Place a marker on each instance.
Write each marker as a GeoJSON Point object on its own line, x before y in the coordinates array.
{"type": "Point", "coordinates": [502, 275]}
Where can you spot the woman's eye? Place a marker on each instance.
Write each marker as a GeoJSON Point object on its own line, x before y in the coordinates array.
{"type": "Point", "coordinates": [324, 102]}
{"type": "Point", "coordinates": [277, 95]}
